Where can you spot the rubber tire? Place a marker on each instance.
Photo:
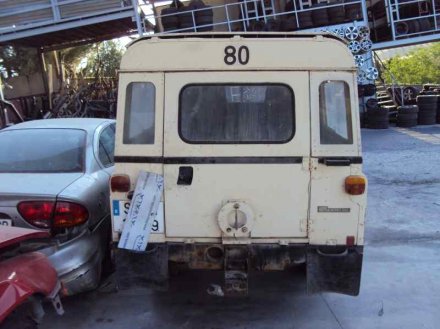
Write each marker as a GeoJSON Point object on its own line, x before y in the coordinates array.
{"type": "Point", "coordinates": [272, 26]}
{"type": "Point", "coordinates": [369, 90]}
{"type": "Point", "coordinates": [336, 14]}
{"type": "Point", "coordinates": [205, 17]}
{"type": "Point", "coordinates": [320, 16]}
{"type": "Point", "coordinates": [170, 22]}
{"type": "Point", "coordinates": [372, 104]}
{"type": "Point", "coordinates": [361, 90]}
{"type": "Point", "coordinates": [353, 12]}
{"type": "Point", "coordinates": [377, 118]}
{"type": "Point", "coordinates": [427, 109]}
{"type": "Point", "coordinates": [402, 28]}
{"type": "Point", "coordinates": [407, 116]}
{"type": "Point", "coordinates": [186, 20]}
{"type": "Point", "coordinates": [288, 24]}
{"type": "Point", "coordinates": [305, 20]}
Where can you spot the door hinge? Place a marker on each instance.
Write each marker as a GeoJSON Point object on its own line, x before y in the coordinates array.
{"type": "Point", "coordinates": [303, 225]}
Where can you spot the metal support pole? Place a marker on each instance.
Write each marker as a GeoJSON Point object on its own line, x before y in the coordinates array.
{"type": "Point", "coordinates": [55, 10]}
{"type": "Point", "coordinates": [227, 19]}
{"type": "Point", "coordinates": [364, 12]}
{"type": "Point", "coordinates": [137, 16]}
{"type": "Point", "coordinates": [390, 15]}
{"type": "Point", "coordinates": [296, 13]}
{"type": "Point", "coordinates": [243, 19]}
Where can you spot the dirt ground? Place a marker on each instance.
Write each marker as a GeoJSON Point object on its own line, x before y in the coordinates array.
{"type": "Point", "coordinates": [400, 279]}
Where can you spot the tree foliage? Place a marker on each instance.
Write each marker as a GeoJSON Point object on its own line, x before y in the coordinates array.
{"type": "Point", "coordinates": [420, 66]}
{"type": "Point", "coordinates": [18, 61]}
{"type": "Point", "coordinates": [102, 60]}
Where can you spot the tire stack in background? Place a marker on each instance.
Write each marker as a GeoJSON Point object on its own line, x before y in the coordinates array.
{"type": "Point", "coordinates": [428, 109]}
{"type": "Point", "coordinates": [376, 116]}
{"type": "Point", "coordinates": [179, 17]}
{"type": "Point", "coordinates": [407, 116]}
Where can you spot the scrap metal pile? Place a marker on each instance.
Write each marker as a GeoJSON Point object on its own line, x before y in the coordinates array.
{"type": "Point", "coordinates": [94, 100]}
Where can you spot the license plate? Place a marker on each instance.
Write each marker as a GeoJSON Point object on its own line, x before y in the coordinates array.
{"type": "Point", "coordinates": [120, 211]}
{"type": "Point", "coordinates": [5, 222]}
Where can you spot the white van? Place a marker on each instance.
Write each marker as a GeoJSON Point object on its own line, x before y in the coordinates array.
{"type": "Point", "coordinates": [258, 141]}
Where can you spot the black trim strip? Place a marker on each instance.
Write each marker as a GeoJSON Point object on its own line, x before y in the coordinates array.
{"type": "Point", "coordinates": [138, 159]}
{"type": "Point", "coordinates": [340, 161]}
{"type": "Point", "coordinates": [208, 160]}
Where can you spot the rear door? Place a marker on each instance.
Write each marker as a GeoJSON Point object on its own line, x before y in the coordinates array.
{"type": "Point", "coordinates": [236, 136]}
{"type": "Point", "coordinates": [336, 154]}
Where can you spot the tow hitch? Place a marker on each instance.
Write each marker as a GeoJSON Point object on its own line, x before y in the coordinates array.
{"type": "Point", "coordinates": [236, 271]}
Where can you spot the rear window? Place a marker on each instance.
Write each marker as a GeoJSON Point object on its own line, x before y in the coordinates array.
{"type": "Point", "coordinates": [42, 150]}
{"type": "Point", "coordinates": [237, 113]}
{"type": "Point", "coordinates": [139, 113]}
{"type": "Point", "coordinates": [335, 113]}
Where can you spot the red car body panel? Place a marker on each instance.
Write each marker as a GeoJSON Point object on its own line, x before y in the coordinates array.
{"type": "Point", "coordinates": [11, 235]}
{"type": "Point", "coordinates": [23, 275]}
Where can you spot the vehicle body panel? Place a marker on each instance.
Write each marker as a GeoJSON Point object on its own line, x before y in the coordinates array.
{"type": "Point", "coordinates": [26, 274]}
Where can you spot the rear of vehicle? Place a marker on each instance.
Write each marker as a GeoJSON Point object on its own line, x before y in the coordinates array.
{"type": "Point", "coordinates": [258, 143]}
{"type": "Point", "coordinates": [54, 177]}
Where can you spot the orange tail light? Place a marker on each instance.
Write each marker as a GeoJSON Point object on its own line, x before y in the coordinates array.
{"type": "Point", "coordinates": [355, 185]}
{"type": "Point", "coordinates": [120, 183]}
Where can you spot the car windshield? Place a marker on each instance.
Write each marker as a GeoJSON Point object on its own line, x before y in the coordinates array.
{"type": "Point", "coordinates": [42, 150]}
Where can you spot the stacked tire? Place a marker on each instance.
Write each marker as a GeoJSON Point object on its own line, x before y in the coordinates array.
{"type": "Point", "coordinates": [305, 19]}
{"type": "Point", "coordinates": [407, 116]}
{"type": "Point", "coordinates": [170, 22]}
{"type": "Point", "coordinates": [438, 109]}
{"type": "Point", "coordinates": [427, 109]}
{"type": "Point", "coordinates": [180, 17]}
{"type": "Point", "coordinates": [336, 14]}
{"type": "Point", "coordinates": [377, 117]}
{"type": "Point", "coordinates": [320, 16]}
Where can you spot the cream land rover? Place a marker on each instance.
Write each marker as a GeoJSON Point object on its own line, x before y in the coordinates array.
{"type": "Point", "coordinates": [257, 139]}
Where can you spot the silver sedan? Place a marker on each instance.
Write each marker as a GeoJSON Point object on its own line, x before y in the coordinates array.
{"type": "Point", "coordinates": [54, 176]}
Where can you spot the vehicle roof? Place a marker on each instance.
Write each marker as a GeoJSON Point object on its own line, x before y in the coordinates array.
{"type": "Point", "coordinates": [268, 51]}
{"type": "Point", "coordinates": [88, 124]}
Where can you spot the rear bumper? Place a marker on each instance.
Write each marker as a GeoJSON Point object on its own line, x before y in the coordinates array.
{"type": "Point", "coordinates": [78, 261]}
{"type": "Point", "coordinates": [329, 268]}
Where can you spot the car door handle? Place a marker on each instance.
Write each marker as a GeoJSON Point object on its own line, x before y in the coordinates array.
{"type": "Point", "coordinates": [185, 175]}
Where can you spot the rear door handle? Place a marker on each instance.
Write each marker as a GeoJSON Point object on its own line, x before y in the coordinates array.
{"type": "Point", "coordinates": [185, 175]}
{"type": "Point", "coordinates": [340, 162]}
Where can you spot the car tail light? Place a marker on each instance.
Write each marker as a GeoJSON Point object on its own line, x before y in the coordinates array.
{"type": "Point", "coordinates": [355, 185]}
{"type": "Point", "coordinates": [68, 214]}
{"type": "Point", "coordinates": [37, 213]}
{"type": "Point", "coordinates": [50, 214]}
{"type": "Point", "coordinates": [120, 183]}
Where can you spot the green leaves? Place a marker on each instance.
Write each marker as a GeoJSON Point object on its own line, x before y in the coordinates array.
{"type": "Point", "coordinates": [420, 66]}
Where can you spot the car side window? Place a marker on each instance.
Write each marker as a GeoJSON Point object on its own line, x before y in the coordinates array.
{"type": "Point", "coordinates": [107, 146]}
{"type": "Point", "coordinates": [335, 113]}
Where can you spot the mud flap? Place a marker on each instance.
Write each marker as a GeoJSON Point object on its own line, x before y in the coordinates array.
{"type": "Point", "coordinates": [146, 269]}
{"type": "Point", "coordinates": [332, 269]}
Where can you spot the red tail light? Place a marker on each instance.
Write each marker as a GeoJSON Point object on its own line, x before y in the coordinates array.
{"type": "Point", "coordinates": [48, 214]}
{"type": "Point", "coordinates": [37, 213]}
{"type": "Point", "coordinates": [120, 183]}
{"type": "Point", "coordinates": [68, 214]}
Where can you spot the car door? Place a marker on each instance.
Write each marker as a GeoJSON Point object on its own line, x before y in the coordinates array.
{"type": "Point", "coordinates": [236, 137]}
{"type": "Point", "coordinates": [336, 154]}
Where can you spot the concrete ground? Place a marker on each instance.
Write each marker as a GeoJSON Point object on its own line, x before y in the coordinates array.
{"type": "Point", "coordinates": [400, 280]}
